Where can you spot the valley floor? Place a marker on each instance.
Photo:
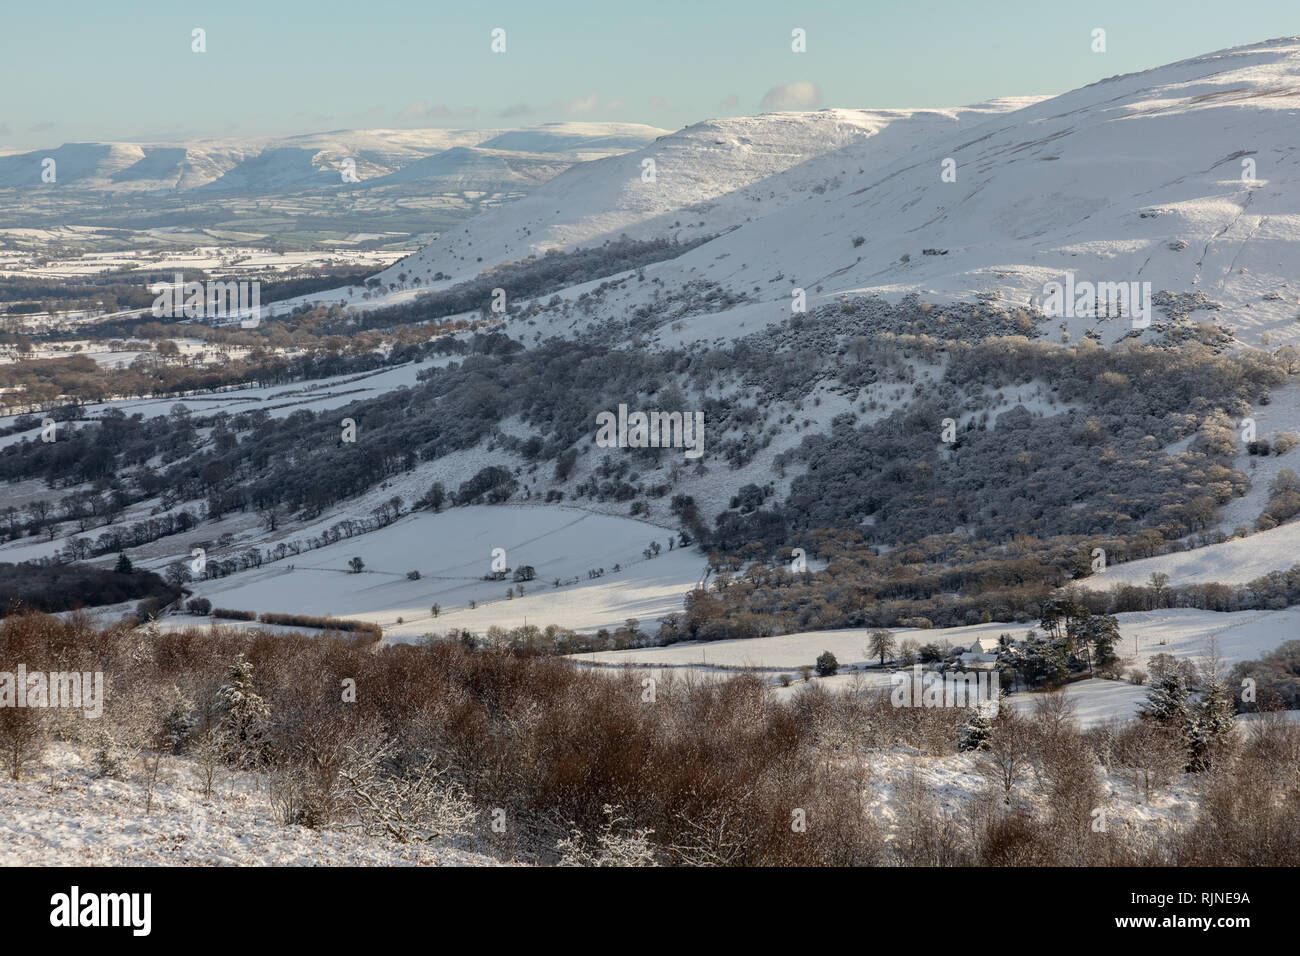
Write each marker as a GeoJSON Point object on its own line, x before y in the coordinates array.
{"type": "Point", "coordinates": [453, 552]}
{"type": "Point", "coordinates": [1181, 632]}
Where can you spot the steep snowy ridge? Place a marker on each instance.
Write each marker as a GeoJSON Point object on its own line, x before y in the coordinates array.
{"type": "Point", "coordinates": [1135, 179]}
{"type": "Point", "coordinates": [704, 179]}
{"type": "Point", "coordinates": [473, 167]}
{"type": "Point", "coordinates": [1186, 176]}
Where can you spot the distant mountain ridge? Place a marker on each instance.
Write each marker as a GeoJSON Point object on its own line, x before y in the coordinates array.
{"type": "Point", "coordinates": [312, 160]}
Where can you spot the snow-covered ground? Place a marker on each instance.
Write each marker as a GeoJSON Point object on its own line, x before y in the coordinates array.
{"type": "Point", "coordinates": [62, 814]}
{"type": "Point", "coordinates": [278, 400]}
{"type": "Point", "coordinates": [1095, 700]}
{"type": "Point", "coordinates": [955, 779]}
{"type": "Point", "coordinates": [1236, 561]}
{"type": "Point", "coordinates": [453, 551]}
{"type": "Point", "coordinates": [1181, 632]}
{"type": "Point", "coordinates": [232, 260]}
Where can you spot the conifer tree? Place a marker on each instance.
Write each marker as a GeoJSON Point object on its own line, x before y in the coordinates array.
{"type": "Point", "coordinates": [243, 715]}
{"type": "Point", "coordinates": [977, 729]}
{"type": "Point", "coordinates": [1166, 701]}
{"type": "Point", "coordinates": [1212, 724]}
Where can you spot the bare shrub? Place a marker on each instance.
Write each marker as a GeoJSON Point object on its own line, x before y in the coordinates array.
{"type": "Point", "coordinates": [1009, 837]}
{"type": "Point", "coordinates": [925, 835]}
{"type": "Point", "coordinates": [1008, 755]}
{"type": "Point", "coordinates": [1152, 755]}
{"type": "Point", "coordinates": [24, 640]}
{"type": "Point", "coordinates": [625, 846]}
{"type": "Point", "coordinates": [410, 804]}
{"type": "Point", "coordinates": [1070, 780]}
{"type": "Point", "coordinates": [1253, 824]}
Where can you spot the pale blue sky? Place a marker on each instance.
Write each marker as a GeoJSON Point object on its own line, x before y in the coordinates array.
{"type": "Point", "coordinates": [123, 70]}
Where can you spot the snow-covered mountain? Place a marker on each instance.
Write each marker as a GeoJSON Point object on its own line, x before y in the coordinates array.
{"type": "Point", "coordinates": [699, 181]}
{"type": "Point", "coordinates": [1186, 176]}
{"type": "Point", "coordinates": [311, 160]}
{"type": "Point", "coordinates": [475, 167]}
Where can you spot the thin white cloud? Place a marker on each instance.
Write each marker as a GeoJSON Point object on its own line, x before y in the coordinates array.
{"type": "Point", "coordinates": [583, 104]}
{"type": "Point", "coordinates": [576, 106]}
{"type": "Point", "coordinates": [420, 110]}
{"type": "Point", "coordinates": [799, 95]}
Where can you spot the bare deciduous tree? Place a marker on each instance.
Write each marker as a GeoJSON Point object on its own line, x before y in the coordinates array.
{"type": "Point", "coordinates": [1008, 753]}
{"type": "Point", "coordinates": [1151, 753]}
{"type": "Point", "coordinates": [881, 643]}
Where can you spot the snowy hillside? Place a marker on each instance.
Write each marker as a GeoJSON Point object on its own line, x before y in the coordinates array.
{"type": "Point", "coordinates": [1138, 178]}
{"type": "Point", "coordinates": [703, 180]}
{"type": "Point", "coordinates": [65, 814]}
{"type": "Point", "coordinates": [573, 136]}
{"type": "Point", "coordinates": [472, 167]}
{"type": "Point", "coordinates": [1235, 561]}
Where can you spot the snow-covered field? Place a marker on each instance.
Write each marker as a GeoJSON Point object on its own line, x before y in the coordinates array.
{"type": "Point", "coordinates": [278, 400]}
{"type": "Point", "coordinates": [1236, 561]}
{"type": "Point", "coordinates": [231, 260]}
{"type": "Point", "coordinates": [1181, 632]}
{"type": "Point", "coordinates": [453, 551]}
